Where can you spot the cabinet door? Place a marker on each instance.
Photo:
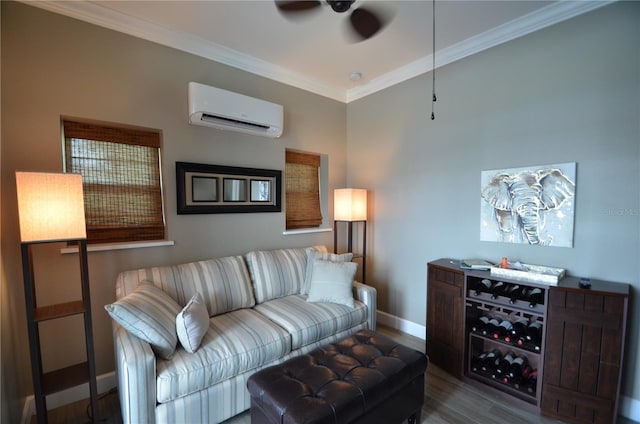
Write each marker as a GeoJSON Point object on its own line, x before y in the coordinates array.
{"type": "Point", "coordinates": [445, 328]}
{"type": "Point", "coordinates": [583, 355]}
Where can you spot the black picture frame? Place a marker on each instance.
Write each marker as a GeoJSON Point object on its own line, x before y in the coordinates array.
{"type": "Point", "coordinates": [207, 189]}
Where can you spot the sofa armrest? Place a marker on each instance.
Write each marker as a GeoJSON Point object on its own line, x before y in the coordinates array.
{"type": "Point", "coordinates": [369, 296]}
{"type": "Point", "coordinates": [136, 371]}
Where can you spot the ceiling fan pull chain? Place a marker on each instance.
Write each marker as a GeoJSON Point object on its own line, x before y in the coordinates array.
{"type": "Point", "coordinates": [433, 67]}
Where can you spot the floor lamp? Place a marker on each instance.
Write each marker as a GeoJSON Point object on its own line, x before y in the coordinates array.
{"type": "Point", "coordinates": [350, 205]}
{"type": "Point", "coordinates": [51, 209]}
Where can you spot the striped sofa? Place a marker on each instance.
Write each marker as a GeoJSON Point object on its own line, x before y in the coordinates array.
{"type": "Point", "coordinates": [258, 316]}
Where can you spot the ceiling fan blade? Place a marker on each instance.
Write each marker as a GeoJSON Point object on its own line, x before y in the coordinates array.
{"type": "Point", "coordinates": [366, 23]}
{"type": "Point", "coordinates": [293, 6]}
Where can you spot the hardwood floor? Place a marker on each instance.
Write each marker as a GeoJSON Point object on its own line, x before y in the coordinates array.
{"type": "Point", "coordinates": [447, 401]}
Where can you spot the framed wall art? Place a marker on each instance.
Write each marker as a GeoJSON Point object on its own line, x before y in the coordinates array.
{"type": "Point", "coordinates": [203, 189]}
{"type": "Point", "coordinates": [531, 205]}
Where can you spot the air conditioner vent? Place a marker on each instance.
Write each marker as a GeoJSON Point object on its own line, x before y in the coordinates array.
{"type": "Point", "coordinates": [221, 119]}
{"type": "Point", "coordinates": [226, 110]}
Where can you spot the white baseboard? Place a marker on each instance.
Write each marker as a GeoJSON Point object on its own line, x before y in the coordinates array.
{"type": "Point", "coordinates": [105, 383]}
{"type": "Point", "coordinates": [402, 324]}
{"type": "Point", "coordinates": [629, 407]}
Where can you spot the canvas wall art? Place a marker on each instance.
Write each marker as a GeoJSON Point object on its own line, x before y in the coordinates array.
{"type": "Point", "coordinates": [531, 205]}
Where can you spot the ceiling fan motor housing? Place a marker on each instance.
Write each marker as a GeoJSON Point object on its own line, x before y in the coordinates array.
{"type": "Point", "coordinates": [340, 6]}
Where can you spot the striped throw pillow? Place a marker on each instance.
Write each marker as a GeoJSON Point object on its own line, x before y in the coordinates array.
{"type": "Point", "coordinates": [149, 314]}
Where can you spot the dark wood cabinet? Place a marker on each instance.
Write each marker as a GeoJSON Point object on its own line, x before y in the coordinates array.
{"type": "Point", "coordinates": [445, 315]}
{"type": "Point", "coordinates": [579, 360]}
{"type": "Point", "coordinates": [585, 341]}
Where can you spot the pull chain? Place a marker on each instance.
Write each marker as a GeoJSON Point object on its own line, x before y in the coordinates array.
{"type": "Point", "coordinates": [433, 67]}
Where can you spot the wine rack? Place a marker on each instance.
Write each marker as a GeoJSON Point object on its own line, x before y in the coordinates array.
{"type": "Point", "coordinates": [523, 389]}
{"type": "Point", "coordinates": [504, 302]}
{"type": "Point", "coordinates": [573, 319]}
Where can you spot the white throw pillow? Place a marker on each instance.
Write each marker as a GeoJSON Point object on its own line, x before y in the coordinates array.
{"type": "Point", "coordinates": [149, 314]}
{"type": "Point", "coordinates": [192, 323]}
{"type": "Point", "coordinates": [314, 253]}
{"type": "Point", "coordinates": [332, 282]}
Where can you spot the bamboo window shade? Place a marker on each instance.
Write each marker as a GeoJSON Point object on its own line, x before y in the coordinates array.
{"type": "Point", "coordinates": [121, 180]}
{"type": "Point", "coordinates": [302, 190]}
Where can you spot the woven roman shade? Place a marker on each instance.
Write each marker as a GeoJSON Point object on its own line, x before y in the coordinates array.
{"type": "Point", "coordinates": [121, 180]}
{"type": "Point", "coordinates": [302, 190]}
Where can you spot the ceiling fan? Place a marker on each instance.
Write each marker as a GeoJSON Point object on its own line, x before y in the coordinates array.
{"type": "Point", "coordinates": [364, 21]}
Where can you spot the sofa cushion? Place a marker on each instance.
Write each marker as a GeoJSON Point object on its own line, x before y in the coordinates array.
{"type": "Point", "coordinates": [332, 282]}
{"type": "Point", "coordinates": [314, 253]}
{"type": "Point", "coordinates": [224, 283]}
{"type": "Point", "coordinates": [150, 314]}
{"type": "Point", "coordinates": [310, 322]}
{"type": "Point", "coordinates": [277, 273]}
{"type": "Point", "coordinates": [235, 342]}
{"type": "Point", "coordinates": [192, 323]}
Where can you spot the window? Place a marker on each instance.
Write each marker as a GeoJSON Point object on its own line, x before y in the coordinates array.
{"type": "Point", "coordinates": [120, 170]}
{"type": "Point", "coordinates": [302, 188]}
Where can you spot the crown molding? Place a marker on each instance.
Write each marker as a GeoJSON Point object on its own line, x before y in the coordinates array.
{"type": "Point", "coordinates": [108, 18]}
{"type": "Point", "coordinates": [526, 24]}
{"type": "Point", "coordinates": [117, 21]}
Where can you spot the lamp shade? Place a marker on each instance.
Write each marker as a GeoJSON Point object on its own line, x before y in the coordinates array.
{"type": "Point", "coordinates": [50, 206]}
{"type": "Point", "coordinates": [350, 204]}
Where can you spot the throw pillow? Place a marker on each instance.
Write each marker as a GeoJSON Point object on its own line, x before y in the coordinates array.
{"type": "Point", "coordinates": [332, 282]}
{"type": "Point", "coordinates": [313, 254]}
{"type": "Point", "coordinates": [192, 323]}
{"type": "Point", "coordinates": [149, 314]}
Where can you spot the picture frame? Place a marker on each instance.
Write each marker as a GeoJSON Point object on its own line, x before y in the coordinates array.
{"type": "Point", "coordinates": [207, 189]}
{"type": "Point", "coordinates": [532, 205]}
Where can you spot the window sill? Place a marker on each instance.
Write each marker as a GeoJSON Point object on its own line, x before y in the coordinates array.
{"type": "Point", "coordinates": [100, 247]}
{"type": "Point", "coordinates": [307, 231]}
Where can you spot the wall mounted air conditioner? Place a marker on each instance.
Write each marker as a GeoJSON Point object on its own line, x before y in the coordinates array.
{"type": "Point", "coordinates": [226, 110]}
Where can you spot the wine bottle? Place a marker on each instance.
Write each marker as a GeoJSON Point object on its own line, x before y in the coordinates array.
{"type": "Point", "coordinates": [524, 294]}
{"type": "Point", "coordinates": [531, 383]}
{"type": "Point", "coordinates": [520, 380]}
{"type": "Point", "coordinates": [491, 326]}
{"type": "Point", "coordinates": [534, 334]}
{"type": "Point", "coordinates": [515, 370]}
{"type": "Point", "coordinates": [480, 324]}
{"type": "Point", "coordinates": [491, 361]}
{"type": "Point", "coordinates": [503, 329]}
{"type": "Point", "coordinates": [535, 296]}
{"type": "Point", "coordinates": [497, 289]}
{"type": "Point", "coordinates": [503, 365]}
{"type": "Point", "coordinates": [513, 293]}
{"type": "Point", "coordinates": [477, 361]}
{"type": "Point", "coordinates": [482, 286]}
{"type": "Point", "coordinates": [518, 330]}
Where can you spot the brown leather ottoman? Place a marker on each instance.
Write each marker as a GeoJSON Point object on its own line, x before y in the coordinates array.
{"type": "Point", "coordinates": [365, 378]}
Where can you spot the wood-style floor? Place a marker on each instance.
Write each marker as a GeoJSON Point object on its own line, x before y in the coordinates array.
{"type": "Point", "coordinates": [447, 401]}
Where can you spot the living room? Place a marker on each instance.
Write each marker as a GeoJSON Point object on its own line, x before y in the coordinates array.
{"type": "Point", "coordinates": [567, 93]}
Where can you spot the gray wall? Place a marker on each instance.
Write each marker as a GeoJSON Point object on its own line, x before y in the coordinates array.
{"type": "Point", "coordinates": [566, 94]}
{"type": "Point", "coordinates": [569, 93]}
{"type": "Point", "coordinates": [53, 66]}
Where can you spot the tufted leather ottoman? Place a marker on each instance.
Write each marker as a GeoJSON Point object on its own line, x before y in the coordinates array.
{"type": "Point", "coordinates": [364, 378]}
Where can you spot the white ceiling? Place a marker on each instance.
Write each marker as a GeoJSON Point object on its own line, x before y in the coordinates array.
{"type": "Point", "coordinates": [316, 53]}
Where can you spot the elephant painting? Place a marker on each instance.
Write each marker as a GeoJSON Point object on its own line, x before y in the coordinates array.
{"type": "Point", "coordinates": [523, 201]}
